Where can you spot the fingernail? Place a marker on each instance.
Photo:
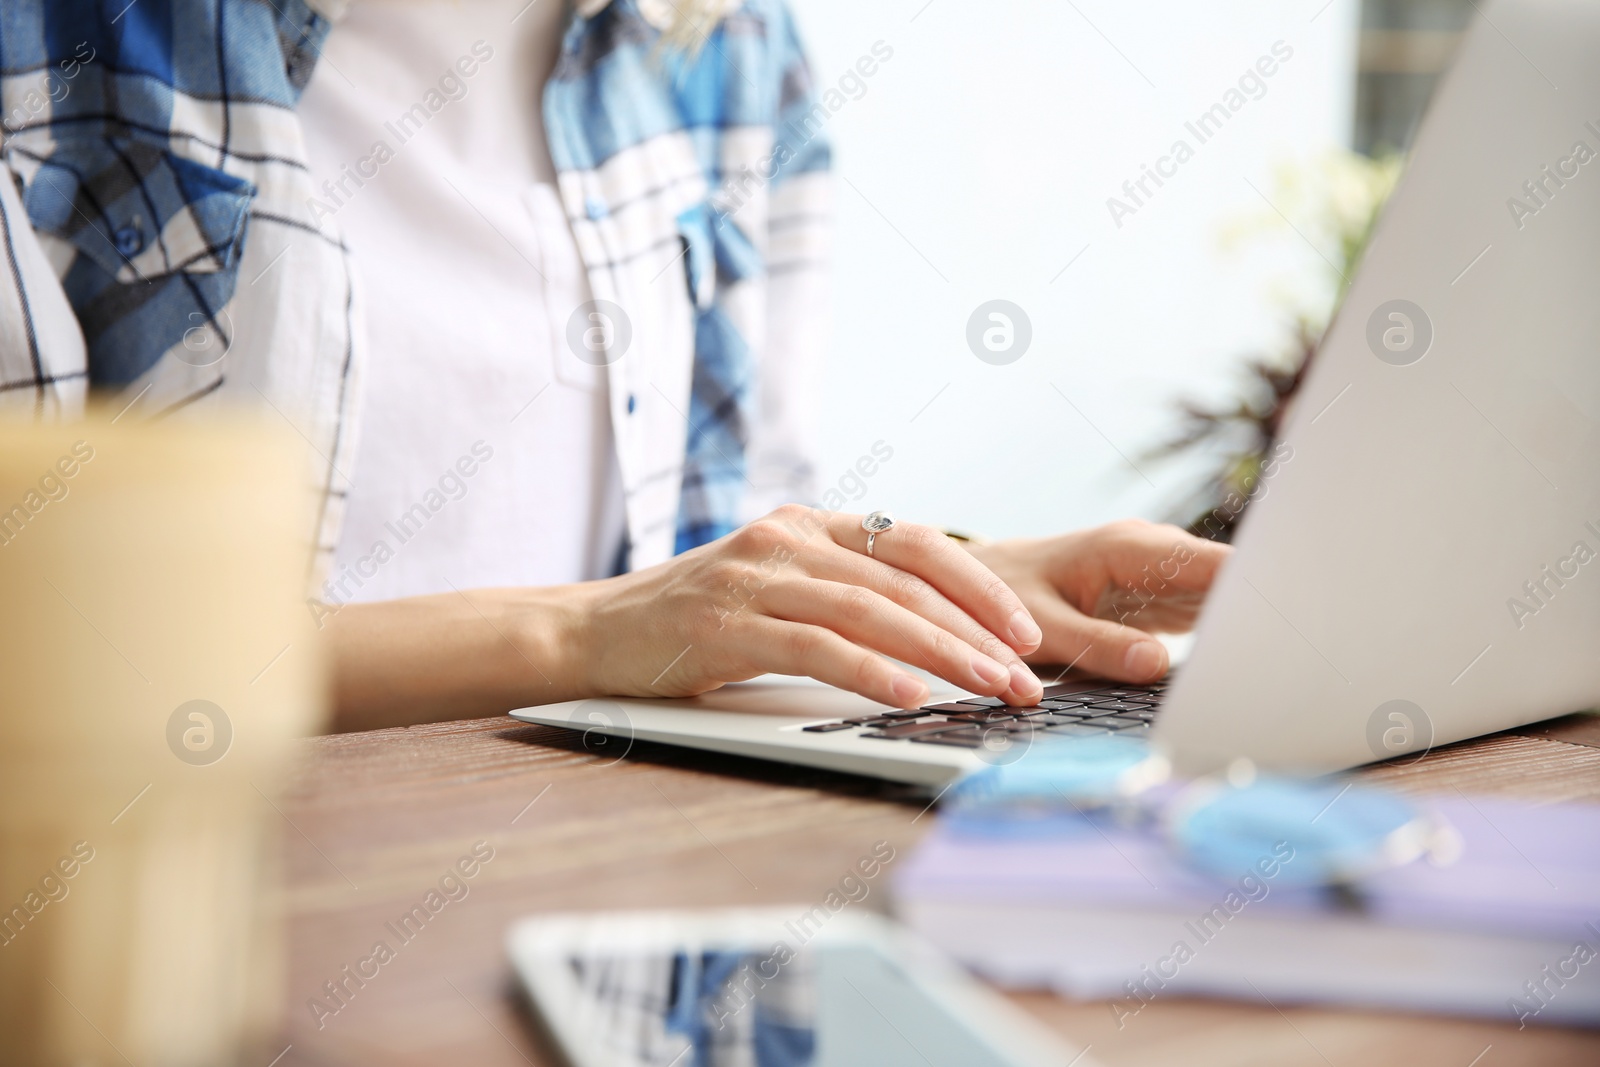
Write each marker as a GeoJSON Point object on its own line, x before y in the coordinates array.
{"type": "Point", "coordinates": [1024, 631]}
{"type": "Point", "coordinates": [1023, 683]}
{"type": "Point", "coordinates": [909, 692]}
{"type": "Point", "coordinates": [1144, 660]}
{"type": "Point", "coordinates": [987, 669]}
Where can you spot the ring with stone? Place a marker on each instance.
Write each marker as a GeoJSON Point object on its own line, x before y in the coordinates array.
{"type": "Point", "coordinates": [876, 523]}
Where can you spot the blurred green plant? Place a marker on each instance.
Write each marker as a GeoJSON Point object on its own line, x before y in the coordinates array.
{"type": "Point", "coordinates": [1333, 204]}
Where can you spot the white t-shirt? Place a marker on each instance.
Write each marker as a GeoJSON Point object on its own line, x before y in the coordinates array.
{"type": "Point", "coordinates": [486, 455]}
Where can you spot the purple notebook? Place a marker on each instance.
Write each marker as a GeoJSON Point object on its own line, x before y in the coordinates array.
{"type": "Point", "coordinates": [1523, 870]}
{"type": "Point", "coordinates": [1508, 930]}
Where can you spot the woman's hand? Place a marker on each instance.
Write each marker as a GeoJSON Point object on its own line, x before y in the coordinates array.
{"type": "Point", "coordinates": [1100, 593]}
{"type": "Point", "coordinates": [795, 593]}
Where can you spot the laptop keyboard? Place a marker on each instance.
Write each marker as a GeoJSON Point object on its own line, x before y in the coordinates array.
{"type": "Point", "coordinates": [1122, 709]}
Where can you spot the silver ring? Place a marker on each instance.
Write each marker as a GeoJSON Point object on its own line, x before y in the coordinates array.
{"type": "Point", "coordinates": [876, 523]}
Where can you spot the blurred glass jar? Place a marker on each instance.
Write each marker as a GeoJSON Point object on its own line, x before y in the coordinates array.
{"type": "Point", "coordinates": [157, 661]}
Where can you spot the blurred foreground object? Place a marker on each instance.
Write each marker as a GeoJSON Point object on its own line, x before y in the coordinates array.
{"type": "Point", "coordinates": [158, 663]}
{"type": "Point", "coordinates": [1494, 917]}
{"type": "Point", "coordinates": [824, 984]}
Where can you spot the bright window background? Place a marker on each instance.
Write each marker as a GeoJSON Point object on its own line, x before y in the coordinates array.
{"type": "Point", "coordinates": [977, 165]}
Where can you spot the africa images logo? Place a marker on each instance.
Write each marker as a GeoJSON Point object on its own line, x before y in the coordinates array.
{"type": "Point", "coordinates": [999, 332]}
{"type": "Point", "coordinates": [1397, 728]}
{"type": "Point", "coordinates": [199, 732]}
{"type": "Point", "coordinates": [1399, 332]}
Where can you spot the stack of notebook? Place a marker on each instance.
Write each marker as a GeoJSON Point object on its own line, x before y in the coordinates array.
{"type": "Point", "coordinates": [1510, 929]}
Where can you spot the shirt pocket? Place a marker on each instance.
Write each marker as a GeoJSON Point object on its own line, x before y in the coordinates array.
{"type": "Point", "coordinates": [156, 239]}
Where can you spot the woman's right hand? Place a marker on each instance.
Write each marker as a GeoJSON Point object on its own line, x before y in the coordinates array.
{"type": "Point", "coordinates": [795, 593]}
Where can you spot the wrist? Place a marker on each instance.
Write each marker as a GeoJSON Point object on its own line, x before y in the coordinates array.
{"type": "Point", "coordinates": [553, 630]}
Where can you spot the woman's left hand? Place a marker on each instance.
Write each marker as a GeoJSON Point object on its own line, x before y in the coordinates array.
{"type": "Point", "coordinates": [1099, 594]}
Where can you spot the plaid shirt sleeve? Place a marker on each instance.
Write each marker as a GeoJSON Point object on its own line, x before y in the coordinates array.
{"type": "Point", "coordinates": [140, 168]}
{"type": "Point", "coordinates": [160, 247]}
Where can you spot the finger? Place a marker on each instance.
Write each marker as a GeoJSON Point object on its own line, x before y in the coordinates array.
{"type": "Point", "coordinates": [929, 554]}
{"type": "Point", "coordinates": [918, 596]}
{"type": "Point", "coordinates": [1099, 647]}
{"type": "Point", "coordinates": [1153, 612]}
{"type": "Point", "coordinates": [1160, 558]}
{"type": "Point", "coordinates": [872, 620]}
{"type": "Point", "coordinates": [784, 647]}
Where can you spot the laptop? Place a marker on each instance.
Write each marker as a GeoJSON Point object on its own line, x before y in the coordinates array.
{"type": "Point", "coordinates": [1426, 568]}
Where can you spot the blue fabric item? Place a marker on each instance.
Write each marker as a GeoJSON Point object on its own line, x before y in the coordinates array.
{"type": "Point", "coordinates": [1057, 771]}
{"type": "Point", "coordinates": [1068, 788]}
{"type": "Point", "coordinates": [1338, 831]}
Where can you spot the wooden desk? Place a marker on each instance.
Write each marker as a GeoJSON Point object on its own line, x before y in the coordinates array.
{"type": "Point", "coordinates": [377, 818]}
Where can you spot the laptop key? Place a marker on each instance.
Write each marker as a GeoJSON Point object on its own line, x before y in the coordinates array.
{"type": "Point", "coordinates": [1117, 722]}
{"type": "Point", "coordinates": [828, 727]}
{"type": "Point", "coordinates": [1123, 705]}
{"type": "Point", "coordinates": [905, 714]}
{"type": "Point", "coordinates": [1076, 729]}
{"type": "Point", "coordinates": [955, 706]}
{"type": "Point", "coordinates": [914, 729]}
{"type": "Point", "coordinates": [1018, 726]}
{"type": "Point", "coordinates": [1055, 720]}
{"type": "Point", "coordinates": [958, 738]}
{"type": "Point", "coordinates": [984, 702]}
{"type": "Point", "coordinates": [977, 716]}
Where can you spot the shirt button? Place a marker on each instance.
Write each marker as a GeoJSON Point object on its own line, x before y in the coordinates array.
{"type": "Point", "coordinates": [129, 240]}
{"type": "Point", "coordinates": [632, 403]}
{"type": "Point", "coordinates": [595, 207]}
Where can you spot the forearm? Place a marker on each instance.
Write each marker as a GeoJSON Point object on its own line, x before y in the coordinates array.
{"type": "Point", "coordinates": [455, 655]}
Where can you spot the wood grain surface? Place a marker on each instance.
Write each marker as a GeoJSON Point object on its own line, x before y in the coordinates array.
{"type": "Point", "coordinates": [376, 819]}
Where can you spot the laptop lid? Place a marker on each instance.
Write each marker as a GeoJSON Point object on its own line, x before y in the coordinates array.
{"type": "Point", "coordinates": [1425, 565]}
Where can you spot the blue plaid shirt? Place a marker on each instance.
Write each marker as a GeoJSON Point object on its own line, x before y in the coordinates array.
{"type": "Point", "coordinates": [161, 240]}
